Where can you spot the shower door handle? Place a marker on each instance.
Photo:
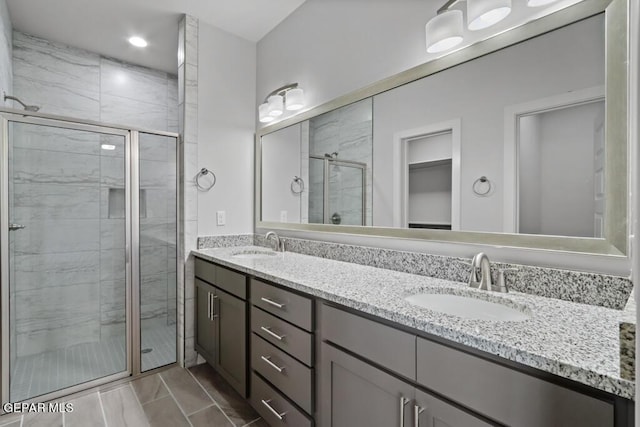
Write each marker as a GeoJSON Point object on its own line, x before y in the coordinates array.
{"type": "Point", "coordinates": [13, 227]}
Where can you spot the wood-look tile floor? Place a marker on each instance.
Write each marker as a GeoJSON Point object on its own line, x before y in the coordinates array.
{"type": "Point", "coordinates": [194, 397]}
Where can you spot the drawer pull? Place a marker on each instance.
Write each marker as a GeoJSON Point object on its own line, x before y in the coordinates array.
{"type": "Point", "coordinates": [273, 411]}
{"type": "Point", "coordinates": [273, 303]}
{"type": "Point", "coordinates": [403, 403]}
{"type": "Point", "coordinates": [268, 330]}
{"type": "Point", "coordinates": [416, 415]}
{"type": "Point", "coordinates": [214, 298]}
{"type": "Point", "coordinates": [267, 359]}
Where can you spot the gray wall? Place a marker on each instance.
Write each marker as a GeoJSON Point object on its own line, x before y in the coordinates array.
{"type": "Point", "coordinates": [68, 81]}
{"type": "Point", "coordinates": [226, 128]}
{"type": "Point", "coordinates": [332, 47]}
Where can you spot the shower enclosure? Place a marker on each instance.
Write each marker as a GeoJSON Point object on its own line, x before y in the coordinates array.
{"type": "Point", "coordinates": [337, 191]}
{"type": "Point", "coordinates": [88, 253]}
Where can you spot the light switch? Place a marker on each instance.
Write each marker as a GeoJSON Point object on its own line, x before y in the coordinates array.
{"type": "Point", "coordinates": [283, 216]}
{"type": "Point", "coordinates": [221, 217]}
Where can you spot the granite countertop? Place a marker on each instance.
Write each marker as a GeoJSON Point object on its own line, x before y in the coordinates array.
{"type": "Point", "coordinates": [575, 341]}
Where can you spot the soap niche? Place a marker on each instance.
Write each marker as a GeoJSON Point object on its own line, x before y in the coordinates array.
{"type": "Point", "coordinates": [117, 203]}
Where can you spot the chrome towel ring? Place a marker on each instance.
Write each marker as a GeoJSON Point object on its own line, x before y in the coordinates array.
{"type": "Point", "coordinates": [482, 186]}
{"type": "Point", "coordinates": [204, 172]}
{"type": "Point", "coordinates": [297, 185]}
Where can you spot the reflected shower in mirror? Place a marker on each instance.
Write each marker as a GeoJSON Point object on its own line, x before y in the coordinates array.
{"type": "Point", "coordinates": [320, 171]}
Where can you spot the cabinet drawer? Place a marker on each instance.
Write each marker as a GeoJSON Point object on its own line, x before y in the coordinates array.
{"type": "Point", "coordinates": [232, 282]}
{"type": "Point", "coordinates": [291, 307]}
{"type": "Point", "coordinates": [205, 270]}
{"type": "Point", "coordinates": [291, 377]}
{"type": "Point", "coordinates": [506, 395]}
{"type": "Point", "coordinates": [223, 278]}
{"type": "Point", "coordinates": [386, 346]}
{"type": "Point", "coordinates": [265, 399]}
{"type": "Point", "coordinates": [293, 340]}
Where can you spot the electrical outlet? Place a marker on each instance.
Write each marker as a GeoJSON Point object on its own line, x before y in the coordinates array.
{"type": "Point", "coordinates": [221, 217]}
{"type": "Point", "coordinates": [283, 216]}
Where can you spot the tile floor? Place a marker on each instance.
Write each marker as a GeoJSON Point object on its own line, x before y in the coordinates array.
{"type": "Point", "coordinates": [85, 362]}
{"type": "Point", "coordinates": [175, 397]}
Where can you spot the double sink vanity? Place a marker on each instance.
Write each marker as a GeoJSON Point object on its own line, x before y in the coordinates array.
{"type": "Point", "coordinates": [312, 341]}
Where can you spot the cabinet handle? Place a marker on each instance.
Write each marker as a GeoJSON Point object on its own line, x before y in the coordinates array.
{"type": "Point", "coordinates": [273, 411]}
{"type": "Point", "coordinates": [268, 330]}
{"type": "Point", "coordinates": [403, 403]}
{"type": "Point", "coordinates": [416, 415]}
{"type": "Point", "coordinates": [209, 307]}
{"type": "Point", "coordinates": [273, 303]}
{"type": "Point", "coordinates": [267, 359]}
{"type": "Point", "coordinates": [214, 299]}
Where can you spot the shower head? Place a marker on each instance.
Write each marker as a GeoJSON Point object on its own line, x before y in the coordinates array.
{"type": "Point", "coordinates": [32, 108]}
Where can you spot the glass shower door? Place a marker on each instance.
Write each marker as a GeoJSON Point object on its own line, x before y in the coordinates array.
{"type": "Point", "coordinates": [65, 210]}
{"type": "Point", "coordinates": [346, 193]}
{"type": "Point", "coordinates": [158, 250]}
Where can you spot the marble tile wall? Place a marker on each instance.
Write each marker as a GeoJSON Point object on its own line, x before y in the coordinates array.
{"type": "Point", "coordinates": [6, 68]}
{"type": "Point", "coordinates": [347, 131]}
{"type": "Point", "coordinates": [188, 107]}
{"type": "Point", "coordinates": [76, 242]}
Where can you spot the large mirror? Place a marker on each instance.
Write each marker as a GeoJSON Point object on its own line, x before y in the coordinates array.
{"type": "Point", "coordinates": [522, 144]}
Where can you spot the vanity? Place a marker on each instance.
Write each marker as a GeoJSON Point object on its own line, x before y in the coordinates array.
{"type": "Point", "coordinates": [337, 344]}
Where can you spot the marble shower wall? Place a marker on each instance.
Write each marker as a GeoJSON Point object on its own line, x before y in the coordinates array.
{"type": "Point", "coordinates": [67, 81]}
{"type": "Point", "coordinates": [188, 103]}
{"type": "Point", "coordinates": [6, 69]}
{"type": "Point", "coordinates": [348, 132]}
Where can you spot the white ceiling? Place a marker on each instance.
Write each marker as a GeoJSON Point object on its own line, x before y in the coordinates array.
{"type": "Point", "coordinates": [103, 26]}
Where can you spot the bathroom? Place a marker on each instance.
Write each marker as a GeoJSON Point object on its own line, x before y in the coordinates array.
{"type": "Point", "coordinates": [137, 198]}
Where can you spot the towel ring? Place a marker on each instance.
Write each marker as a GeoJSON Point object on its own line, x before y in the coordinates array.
{"type": "Point", "coordinates": [204, 172]}
{"type": "Point", "coordinates": [478, 186]}
{"type": "Point", "coordinates": [297, 181]}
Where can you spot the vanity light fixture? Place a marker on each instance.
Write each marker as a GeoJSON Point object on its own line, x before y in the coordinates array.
{"type": "Point", "coordinates": [485, 13]}
{"type": "Point", "coordinates": [289, 97]}
{"type": "Point", "coordinates": [445, 30]}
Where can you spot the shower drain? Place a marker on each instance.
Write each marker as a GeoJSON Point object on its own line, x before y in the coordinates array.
{"type": "Point", "coordinates": [146, 350]}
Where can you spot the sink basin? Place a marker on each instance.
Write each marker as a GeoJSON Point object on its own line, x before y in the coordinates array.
{"type": "Point", "coordinates": [467, 307]}
{"type": "Point", "coordinates": [253, 254]}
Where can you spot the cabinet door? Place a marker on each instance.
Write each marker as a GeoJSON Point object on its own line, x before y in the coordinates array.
{"type": "Point", "coordinates": [205, 325]}
{"type": "Point", "coordinates": [433, 412]}
{"type": "Point", "coordinates": [355, 393]}
{"type": "Point", "coordinates": [231, 356]}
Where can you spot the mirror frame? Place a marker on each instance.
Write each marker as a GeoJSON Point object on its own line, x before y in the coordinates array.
{"type": "Point", "coordinates": [617, 163]}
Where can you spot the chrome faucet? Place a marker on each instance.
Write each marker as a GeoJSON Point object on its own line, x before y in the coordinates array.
{"type": "Point", "coordinates": [480, 277]}
{"type": "Point", "coordinates": [279, 244]}
{"type": "Point", "coordinates": [481, 272]}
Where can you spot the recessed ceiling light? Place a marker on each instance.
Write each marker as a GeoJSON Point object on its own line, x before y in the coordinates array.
{"type": "Point", "coordinates": [138, 41]}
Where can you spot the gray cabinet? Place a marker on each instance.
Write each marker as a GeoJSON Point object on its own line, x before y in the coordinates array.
{"type": "Point", "coordinates": [282, 371]}
{"type": "Point", "coordinates": [231, 354]}
{"type": "Point", "coordinates": [506, 395]}
{"type": "Point", "coordinates": [355, 394]}
{"type": "Point", "coordinates": [359, 373]}
{"type": "Point", "coordinates": [205, 323]}
{"type": "Point", "coordinates": [221, 322]}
